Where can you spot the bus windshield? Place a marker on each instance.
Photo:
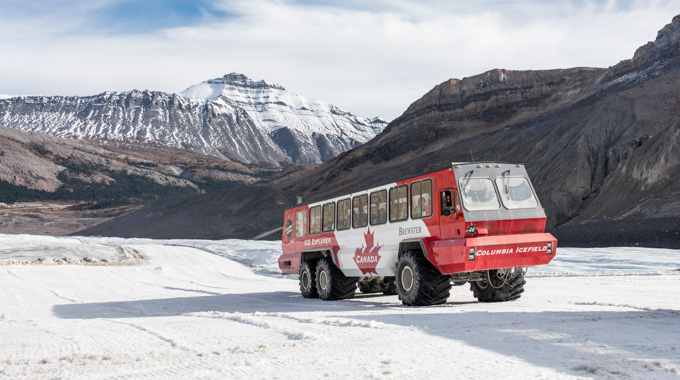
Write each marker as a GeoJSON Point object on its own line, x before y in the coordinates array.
{"type": "Point", "coordinates": [516, 192]}
{"type": "Point", "coordinates": [479, 194]}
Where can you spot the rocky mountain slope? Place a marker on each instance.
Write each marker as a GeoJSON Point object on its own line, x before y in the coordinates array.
{"type": "Point", "coordinates": [601, 145]}
{"type": "Point", "coordinates": [36, 166]}
{"type": "Point", "coordinates": [232, 118]}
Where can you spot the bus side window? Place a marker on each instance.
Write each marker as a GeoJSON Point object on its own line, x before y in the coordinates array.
{"type": "Point", "coordinates": [426, 197]}
{"type": "Point", "coordinates": [415, 200]}
{"type": "Point", "coordinates": [328, 217]}
{"type": "Point", "coordinates": [398, 203]}
{"type": "Point", "coordinates": [364, 210]}
{"type": "Point", "coordinates": [360, 211]}
{"type": "Point", "coordinates": [344, 214]}
{"type": "Point", "coordinates": [300, 223]}
{"type": "Point", "coordinates": [447, 203]}
{"type": "Point", "coordinates": [379, 207]}
{"type": "Point", "coordinates": [421, 199]}
{"type": "Point", "coordinates": [315, 220]}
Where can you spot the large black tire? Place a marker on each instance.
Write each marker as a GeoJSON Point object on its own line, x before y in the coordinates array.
{"type": "Point", "coordinates": [511, 290]}
{"type": "Point", "coordinates": [331, 283]}
{"type": "Point", "coordinates": [419, 283]}
{"type": "Point", "coordinates": [308, 279]}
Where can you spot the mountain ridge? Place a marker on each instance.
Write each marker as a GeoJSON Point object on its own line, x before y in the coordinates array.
{"type": "Point", "coordinates": [219, 127]}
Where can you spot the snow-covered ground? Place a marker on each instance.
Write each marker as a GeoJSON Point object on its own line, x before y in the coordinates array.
{"type": "Point", "coordinates": [217, 309]}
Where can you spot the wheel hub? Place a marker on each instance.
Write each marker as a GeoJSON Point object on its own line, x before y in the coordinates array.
{"type": "Point", "coordinates": [407, 278]}
{"type": "Point", "coordinates": [323, 280]}
{"type": "Point", "coordinates": [305, 280]}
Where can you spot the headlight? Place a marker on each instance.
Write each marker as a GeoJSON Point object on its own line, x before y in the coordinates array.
{"type": "Point", "coordinates": [550, 248]}
{"type": "Point", "coordinates": [471, 253]}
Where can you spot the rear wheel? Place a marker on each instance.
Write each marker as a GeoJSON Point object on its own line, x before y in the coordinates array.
{"type": "Point", "coordinates": [500, 285]}
{"type": "Point", "coordinates": [308, 279]}
{"type": "Point", "coordinates": [419, 283]}
{"type": "Point", "coordinates": [331, 283]}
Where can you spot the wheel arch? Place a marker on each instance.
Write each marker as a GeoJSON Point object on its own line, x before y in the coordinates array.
{"type": "Point", "coordinates": [412, 245]}
{"type": "Point", "coordinates": [311, 255]}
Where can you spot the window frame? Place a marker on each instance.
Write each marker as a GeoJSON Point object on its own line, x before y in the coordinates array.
{"type": "Point", "coordinates": [493, 185]}
{"type": "Point", "coordinates": [337, 213]}
{"type": "Point", "coordinates": [304, 218]}
{"type": "Point", "coordinates": [531, 188]}
{"type": "Point", "coordinates": [445, 206]}
{"type": "Point", "coordinates": [389, 201]}
{"type": "Point", "coordinates": [323, 217]}
{"type": "Point", "coordinates": [457, 206]}
{"type": "Point", "coordinates": [309, 223]}
{"type": "Point", "coordinates": [367, 210]}
{"type": "Point", "coordinates": [421, 194]}
{"type": "Point", "coordinates": [370, 216]}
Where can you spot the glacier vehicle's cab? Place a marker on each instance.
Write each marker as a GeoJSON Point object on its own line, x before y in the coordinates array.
{"type": "Point", "coordinates": [472, 222]}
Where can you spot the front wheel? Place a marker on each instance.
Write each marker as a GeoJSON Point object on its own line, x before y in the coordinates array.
{"type": "Point", "coordinates": [419, 283]}
{"type": "Point", "coordinates": [499, 286]}
{"type": "Point", "coordinates": [308, 279]}
{"type": "Point", "coordinates": [331, 283]}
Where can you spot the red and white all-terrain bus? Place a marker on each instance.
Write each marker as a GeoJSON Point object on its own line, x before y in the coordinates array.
{"type": "Point", "coordinates": [472, 222]}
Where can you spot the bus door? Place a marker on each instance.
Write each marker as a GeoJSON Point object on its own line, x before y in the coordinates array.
{"type": "Point", "coordinates": [449, 216]}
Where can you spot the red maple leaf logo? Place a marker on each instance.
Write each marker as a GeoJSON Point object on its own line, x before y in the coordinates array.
{"type": "Point", "coordinates": [367, 258]}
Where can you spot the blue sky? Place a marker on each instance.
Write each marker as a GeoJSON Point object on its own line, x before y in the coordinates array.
{"type": "Point", "coordinates": [132, 16]}
{"type": "Point", "coordinates": [368, 57]}
{"type": "Point", "coordinates": [117, 16]}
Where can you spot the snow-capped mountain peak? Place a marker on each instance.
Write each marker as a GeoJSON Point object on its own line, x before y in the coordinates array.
{"type": "Point", "coordinates": [293, 121]}
{"type": "Point", "coordinates": [212, 89]}
{"type": "Point", "coordinates": [232, 117]}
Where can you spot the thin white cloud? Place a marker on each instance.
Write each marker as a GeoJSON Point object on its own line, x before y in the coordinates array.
{"type": "Point", "coordinates": [370, 61]}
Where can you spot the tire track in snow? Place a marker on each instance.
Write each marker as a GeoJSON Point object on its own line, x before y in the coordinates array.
{"type": "Point", "coordinates": [143, 329]}
{"type": "Point", "coordinates": [337, 322]}
{"type": "Point", "coordinates": [251, 319]}
{"type": "Point", "coordinates": [11, 273]}
{"type": "Point", "coordinates": [62, 297]}
{"type": "Point", "coordinates": [653, 312]}
{"type": "Point", "coordinates": [50, 290]}
{"type": "Point", "coordinates": [193, 290]}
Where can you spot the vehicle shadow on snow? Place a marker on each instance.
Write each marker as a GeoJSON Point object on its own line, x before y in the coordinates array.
{"type": "Point", "coordinates": [227, 303]}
